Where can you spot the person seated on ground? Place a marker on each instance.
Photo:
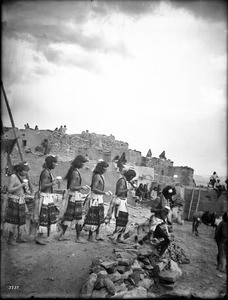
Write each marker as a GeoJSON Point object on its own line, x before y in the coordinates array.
{"type": "Point", "coordinates": [140, 192]}
{"type": "Point", "coordinates": [154, 193]}
{"type": "Point", "coordinates": [146, 192]}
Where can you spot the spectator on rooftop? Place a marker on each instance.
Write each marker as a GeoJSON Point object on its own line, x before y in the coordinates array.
{"type": "Point", "coordinates": [64, 129]}
{"type": "Point", "coordinates": [213, 179]}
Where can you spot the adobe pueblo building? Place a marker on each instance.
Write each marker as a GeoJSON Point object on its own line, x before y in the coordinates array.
{"type": "Point", "coordinates": [97, 146]}
{"type": "Point", "coordinates": [36, 144]}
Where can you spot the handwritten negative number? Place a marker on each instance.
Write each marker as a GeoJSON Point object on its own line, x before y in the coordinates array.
{"type": "Point", "coordinates": [13, 287]}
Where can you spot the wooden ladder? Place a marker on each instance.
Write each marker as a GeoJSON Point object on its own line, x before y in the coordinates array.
{"type": "Point", "coordinates": [194, 204]}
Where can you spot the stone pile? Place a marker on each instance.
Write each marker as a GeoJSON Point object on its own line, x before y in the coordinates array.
{"type": "Point", "coordinates": [136, 271]}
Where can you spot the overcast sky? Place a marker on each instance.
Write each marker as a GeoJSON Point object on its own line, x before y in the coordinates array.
{"type": "Point", "coordinates": [153, 73]}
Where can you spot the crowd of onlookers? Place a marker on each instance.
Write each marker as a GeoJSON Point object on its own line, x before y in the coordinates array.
{"type": "Point", "coordinates": [61, 128]}
{"type": "Point", "coordinates": [145, 193]}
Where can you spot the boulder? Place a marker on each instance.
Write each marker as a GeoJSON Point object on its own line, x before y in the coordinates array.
{"type": "Point", "coordinates": [109, 264]}
{"type": "Point", "coordinates": [160, 266]}
{"type": "Point", "coordinates": [135, 276]}
{"type": "Point", "coordinates": [174, 267]}
{"type": "Point", "coordinates": [88, 286]}
{"type": "Point", "coordinates": [115, 276]}
{"type": "Point", "coordinates": [96, 261]}
{"type": "Point", "coordinates": [102, 293]}
{"type": "Point", "coordinates": [136, 265]}
{"type": "Point", "coordinates": [119, 295]}
{"type": "Point", "coordinates": [168, 285]}
{"type": "Point", "coordinates": [121, 287]}
{"type": "Point", "coordinates": [124, 262]}
{"type": "Point", "coordinates": [146, 283]}
{"type": "Point", "coordinates": [128, 256]}
{"type": "Point", "coordinates": [110, 286]}
{"type": "Point", "coordinates": [121, 269]}
{"type": "Point", "coordinates": [97, 269]}
{"type": "Point", "coordinates": [144, 260]}
{"type": "Point", "coordinates": [133, 252]}
{"type": "Point", "coordinates": [186, 293]}
{"type": "Point", "coordinates": [169, 275]}
{"type": "Point", "coordinates": [152, 295]}
{"type": "Point", "coordinates": [126, 274]}
{"type": "Point", "coordinates": [138, 292]}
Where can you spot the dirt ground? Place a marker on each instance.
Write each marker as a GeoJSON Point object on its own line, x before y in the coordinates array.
{"type": "Point", "coordinates": [59, 269]}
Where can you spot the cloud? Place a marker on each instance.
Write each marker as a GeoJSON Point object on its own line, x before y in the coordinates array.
{"type": "Point", "coordinates": [157, 66]}
{"type": "Point", "coordinates": [213, 11]}
{"type": "Point", "coordinates": [47, 30]}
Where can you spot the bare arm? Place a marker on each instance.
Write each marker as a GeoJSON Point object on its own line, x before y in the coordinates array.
{"type": "Point", "coordinates": [96, 182]}
{"type": "Point", "coordinates": [29, 183]}
{"type": "Point", "coordinates": [45, 181]}
{"type": "Point", "coordinates": [121, 188]}
{"type": "Point", "coordinates": [12, 187]}
{"type": "Point", "coordinates": [75, 182]}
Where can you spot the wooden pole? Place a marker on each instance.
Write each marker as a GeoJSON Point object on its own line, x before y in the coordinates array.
{"type": "Point", "coordinates": [190, 206]}
{"type": "Point", "coordinates": [198, 200]}
{"type": "Point", "coordinates": [9, 163]}
{"type": "Point", "coordinates": [12, 122]}
{"type": "Point", "coordinates": [15, 135]}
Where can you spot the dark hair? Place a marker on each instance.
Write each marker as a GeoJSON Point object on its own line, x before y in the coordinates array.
{"type": "Point", "coordinates": [20, 167]}
{"type": "Point", "coordinates": [76, 163]}
{"type": "Point", "coordinates": [129, 174]}
{"type": "Point", "coordinates": [169, 191]}
{"type": "Point", "coordinates": [49, 160]}
{"type": "Point", "coordinates": [100, 167]}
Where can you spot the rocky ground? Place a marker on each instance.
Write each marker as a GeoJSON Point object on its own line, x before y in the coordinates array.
{"type": "Point", "coordinates": [59, 269]}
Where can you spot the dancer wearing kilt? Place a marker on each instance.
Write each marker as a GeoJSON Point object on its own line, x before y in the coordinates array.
{"type": "Point", "coordinates": [45, 212]}
{"type": "Point", "coordinates": [118, 205]}
{"type": "Point", "coordinates": [71, 207]}
{"type": "Point", "coordinates": [95, 212]}
{"type": "Point", "coordinates": [15, 221]}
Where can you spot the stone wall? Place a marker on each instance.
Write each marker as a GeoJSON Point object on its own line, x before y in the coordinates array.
{"type": "Point", "coordinates": [30, 137]}
{"type": "Point", "coordinates": [181, 175]}
{"type": "Point", "coordinates": [208, 200]}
